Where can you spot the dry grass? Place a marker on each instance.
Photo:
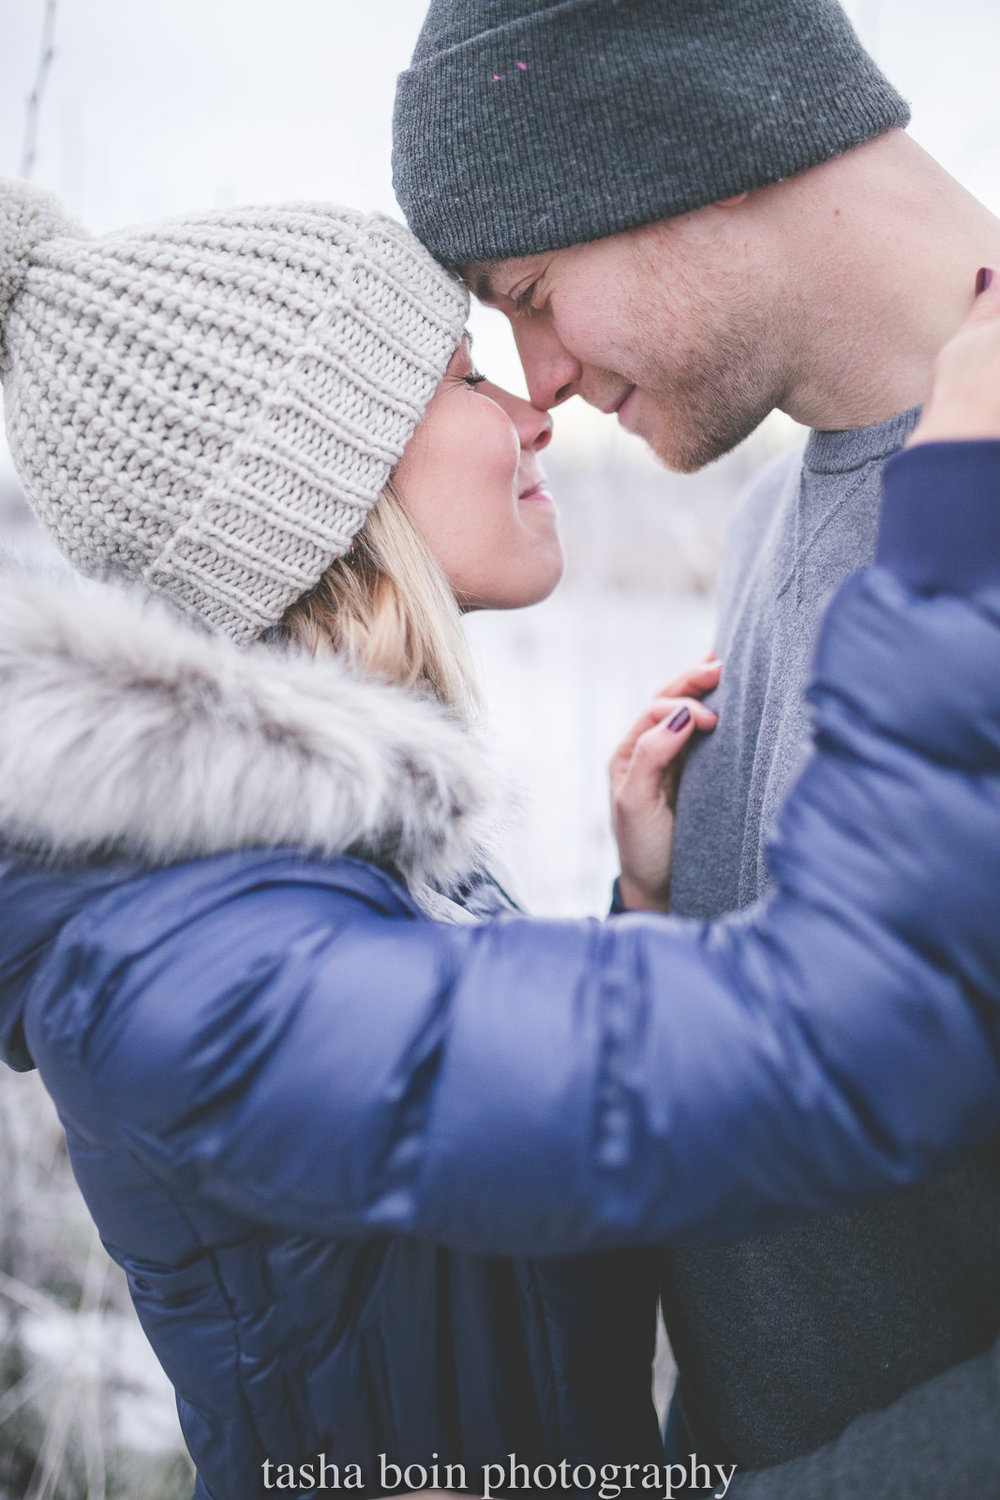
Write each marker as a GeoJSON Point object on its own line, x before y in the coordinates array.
{"type": "Point", "coordinates": [85, 1413]}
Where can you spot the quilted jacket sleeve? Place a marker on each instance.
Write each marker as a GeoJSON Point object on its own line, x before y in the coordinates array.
{"type": "Point", "coordinates": [311, 1060]}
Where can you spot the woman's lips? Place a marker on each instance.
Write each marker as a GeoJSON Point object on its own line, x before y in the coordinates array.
{"type": "Point", "coordinates": [538, 494]}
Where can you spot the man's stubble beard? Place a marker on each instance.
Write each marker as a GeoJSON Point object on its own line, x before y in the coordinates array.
{"type": "Point", "coordinates": [715, 367]}
{"type": "Point", "coordinates": [724, 395]}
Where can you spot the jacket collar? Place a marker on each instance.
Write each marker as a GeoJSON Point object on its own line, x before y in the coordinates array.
{"type": "Point", "coordinates": [128, 734]}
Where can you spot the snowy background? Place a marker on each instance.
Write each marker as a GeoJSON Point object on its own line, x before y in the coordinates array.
{"type": "Point", "coordinates": [150, 110]}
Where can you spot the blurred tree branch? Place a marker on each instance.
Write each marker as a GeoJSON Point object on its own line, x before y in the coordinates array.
{"type": "Point", "coordinates": [37, 94]}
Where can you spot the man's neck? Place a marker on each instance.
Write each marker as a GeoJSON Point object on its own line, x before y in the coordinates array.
{"type": "Point", "coordinates": [888, 246]}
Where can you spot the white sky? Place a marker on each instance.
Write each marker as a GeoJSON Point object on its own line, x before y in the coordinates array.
{"type": "Point", "coordinates": [156, 107]}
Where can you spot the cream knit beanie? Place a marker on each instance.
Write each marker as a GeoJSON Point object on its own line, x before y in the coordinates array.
{"type": "Point", "coordinates": [212, 406]}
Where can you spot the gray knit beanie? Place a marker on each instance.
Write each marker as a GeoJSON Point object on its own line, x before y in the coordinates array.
{"type": "Point", "coordinates": [529, 125]}
{"type": "Point", "coordinates": [212, 406]}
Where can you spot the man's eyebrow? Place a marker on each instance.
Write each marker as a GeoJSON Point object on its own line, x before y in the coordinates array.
{"type": "Point", "coordinates": [482, 280]}
{"type": "Point", "coordinates": [482, 287]}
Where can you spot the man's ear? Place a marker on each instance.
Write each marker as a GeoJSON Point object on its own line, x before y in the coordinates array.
{"type": "Point", "coordinates": [731, 202]}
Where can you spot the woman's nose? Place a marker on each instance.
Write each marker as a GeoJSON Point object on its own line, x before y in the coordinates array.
{"type": "Point", "coordinates": [534, 428]}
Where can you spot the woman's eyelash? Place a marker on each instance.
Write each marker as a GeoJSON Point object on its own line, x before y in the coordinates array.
{"type": "Point", "coordinates": [522, 302]}
{"type": "Point", "coordinates": [474, 379]}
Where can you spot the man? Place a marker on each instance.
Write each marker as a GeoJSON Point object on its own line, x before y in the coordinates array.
{"type": "Point", "coordinates": [693, 214]}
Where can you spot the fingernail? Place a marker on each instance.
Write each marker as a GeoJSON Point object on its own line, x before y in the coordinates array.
{"type": "Point", "coordinates": [679, 719]}
{"type": "Point", "coordinates": [983, 278]}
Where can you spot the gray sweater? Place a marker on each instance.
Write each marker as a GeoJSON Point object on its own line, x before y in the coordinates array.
{"type": "Point", "coordinates": [784, 1341]}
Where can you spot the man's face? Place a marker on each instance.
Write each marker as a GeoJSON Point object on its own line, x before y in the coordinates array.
{"type": "Point", "coordinates": [671, 326]}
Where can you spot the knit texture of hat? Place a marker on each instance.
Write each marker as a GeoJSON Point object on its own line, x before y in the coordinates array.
{"type": "Point", "coordinates": [529, 125]}
{"type": "Point", "coordinates": [212, 406]}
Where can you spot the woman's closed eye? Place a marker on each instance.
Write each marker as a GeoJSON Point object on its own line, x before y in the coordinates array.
{"type": "Point", "coordinates": [473, 379]}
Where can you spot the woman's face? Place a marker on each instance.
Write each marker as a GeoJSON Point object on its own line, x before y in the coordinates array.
{"type": "Point", "coordinates": [472, 483]}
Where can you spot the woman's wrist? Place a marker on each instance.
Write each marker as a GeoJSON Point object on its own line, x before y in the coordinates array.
{"type": "Point", "coordinates": [631, 896]}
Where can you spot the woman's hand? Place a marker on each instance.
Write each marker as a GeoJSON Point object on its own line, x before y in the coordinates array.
{"type": "Point", "coordinates": [644, 773]}
{"type": "Point", "coordinates": [965, 391]}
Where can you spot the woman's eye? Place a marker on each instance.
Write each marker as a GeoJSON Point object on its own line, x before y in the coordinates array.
{"type": "Point", "coordinates": [474, 379]}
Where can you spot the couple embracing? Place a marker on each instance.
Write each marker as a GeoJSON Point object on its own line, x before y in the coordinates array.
{"type": "Point", "coordinates": [397, 1174]}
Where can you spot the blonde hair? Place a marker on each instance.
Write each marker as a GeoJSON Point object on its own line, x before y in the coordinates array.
{"type": "Point", "coordinates": [387, 607]}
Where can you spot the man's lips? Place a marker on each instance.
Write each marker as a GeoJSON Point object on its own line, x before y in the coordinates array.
{"type": "Point", "coordinates": [616, 406]}
{"type": "Point", "coordinates": [622, 409]}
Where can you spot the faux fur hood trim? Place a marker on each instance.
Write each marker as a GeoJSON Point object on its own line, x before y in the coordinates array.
{"type": "Point", "coordinates": [128, 733]}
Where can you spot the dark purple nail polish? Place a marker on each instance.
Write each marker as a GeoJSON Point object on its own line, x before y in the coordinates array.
{"type": "Point", "coordinates": [983, 278]}
{"type": "Point", "coordinates": [679, 719]}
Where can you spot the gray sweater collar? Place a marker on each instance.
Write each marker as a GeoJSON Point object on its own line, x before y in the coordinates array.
{"type": "Point", "coordinates": [840, 452]}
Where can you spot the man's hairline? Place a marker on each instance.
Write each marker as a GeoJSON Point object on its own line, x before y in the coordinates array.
{"type": "Point", "coordinates": [477, 275]}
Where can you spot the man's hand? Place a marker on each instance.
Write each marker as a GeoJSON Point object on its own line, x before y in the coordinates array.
{"type": "Point", "coordinates": [644, 774]}
{"type": "Point", "coordinates": [965, 391]}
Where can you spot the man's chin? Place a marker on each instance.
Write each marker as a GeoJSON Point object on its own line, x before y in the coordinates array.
{"type": "Point", "coordinates": [685, 447]}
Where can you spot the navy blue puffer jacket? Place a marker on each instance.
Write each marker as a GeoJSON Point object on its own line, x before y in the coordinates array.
{"type": "Point", "coordinates": [287, 1070]}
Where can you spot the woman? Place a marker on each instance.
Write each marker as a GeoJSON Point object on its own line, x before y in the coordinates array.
{"type": "Point", "coordinates": [221, 868]}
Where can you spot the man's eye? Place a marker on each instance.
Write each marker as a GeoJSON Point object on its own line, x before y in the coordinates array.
{"type": "Point", "coordinates": [474, 379]}
{"type": "Point", "coordinates": [522, 302]}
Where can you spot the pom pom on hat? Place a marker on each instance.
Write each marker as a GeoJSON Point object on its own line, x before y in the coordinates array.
{"type": "Point", "coordinates": [28, 217]}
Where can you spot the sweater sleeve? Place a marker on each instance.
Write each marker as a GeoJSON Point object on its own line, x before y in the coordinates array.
{"type": "Point", "coordinates": [546, 1087]}
{"type": "Point", "coordinates": [942, 1438]}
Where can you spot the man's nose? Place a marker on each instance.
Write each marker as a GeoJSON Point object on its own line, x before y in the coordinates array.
{"type": "Point", "coordinates": [552, 373]}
